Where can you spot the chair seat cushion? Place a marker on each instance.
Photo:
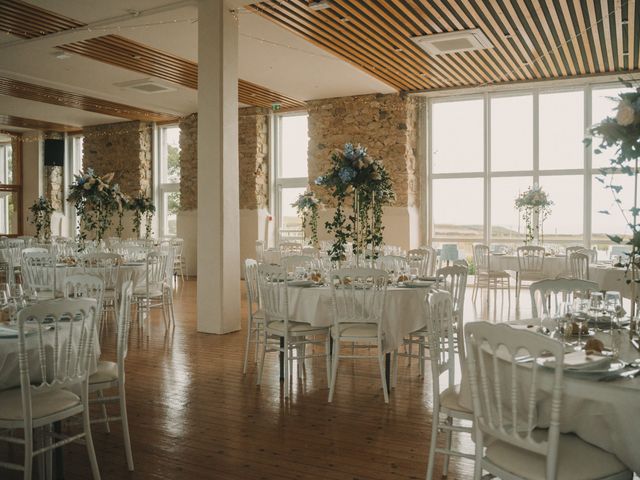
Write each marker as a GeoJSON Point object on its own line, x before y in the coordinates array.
{"type": "Point", "coordinates": [142, 292]}
{"type": "Point", "coordinates": [449, 399]}
{"type": "Point", "coordinates": [43, 404]}
{"type": "Point", "coordinates": [494, 274]}
{"type": "Point", "coordinates": [106, 372]}
{"type": "Point", "coordinates": [295, 327]}
{"type": "Point", "coordinates": [577, 459]}
{"type": "Point", "coordinates": [356, 330]}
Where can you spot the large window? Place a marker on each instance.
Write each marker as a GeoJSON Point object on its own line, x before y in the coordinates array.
{"type": "Point", "coordinates": [291, 177]}
{"type": "Point", "coordinates": [487, 149]}
{"type": "Point", "coordinates": [10, 188]}
{"type": "Point", "coordinates": [168, 198]}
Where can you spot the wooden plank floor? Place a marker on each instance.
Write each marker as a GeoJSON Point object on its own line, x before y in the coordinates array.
{"type": "Point", "coordinates": [193, 415]}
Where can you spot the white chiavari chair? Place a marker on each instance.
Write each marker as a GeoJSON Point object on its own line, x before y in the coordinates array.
{"type": "Point", "coordinates": [106, 266]}
{"type": "Point", "coordinates": [440, 323]}
{"type": "Point", "coordinates": [150, 293]}
{"type": "Point", "coordinates": [530, 265]}
{"type": "Point", "coordinates": [579, 265]}
{"type": "Point", "coordinates": [358, 304]}
{"type": "Point", "coordinates": [290, 248]}
{"type": "Point", "coordinates": [454, 280]}
{"type": "Point", "coordinates": [49, 376]}
{"type": "Point", "coordinates": [509, 443]}
{"type": "Point", "coordinates": [423, 259]}
{"type": "Point", "coordinates": [560, 289]}
{"type": "Point", "coordinates": [82, 285]}
{"type": "Point", "coordinates": [274, 293]}
{"type": "Point", "coordinates": [39, 274]}
{"type": "Point", "coordinates": [179, 262]}
{"type": "Point", "coordinates": [486, 277]}
{"type": "Point", "coordinates": [112, 374]}
{"type": "Point", "coordinates": [255, 319]}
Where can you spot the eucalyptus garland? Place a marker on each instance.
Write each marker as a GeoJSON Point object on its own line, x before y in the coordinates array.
{"type": "Point", "coordinates": [41, 211]}
{"type": "Point", "coordinates": [356, 176]}
{"type": "Point", "coordinates": [307, 206]}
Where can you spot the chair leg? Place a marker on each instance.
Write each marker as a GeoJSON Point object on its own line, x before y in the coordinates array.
{"type": "Point", "coordinates": [28, 453]}
{"type": "Point", "coordinates": [89, 443]}
{"type": "Point", "coordinates": [248, 342]}
{"type": "Point", "coordinates": [261, 366]}
{"type": "Point", "coordinates": [334, 367]}
{"type": "Point", "coordinates": [327, 347]}
{"type": "Point", "coordinates": [286, 366]}
{"type": "Point", "coordinates": [125, 427]}
{"type": "Point", "coordinates": [383, 377]}
{"type": "Point", "coordinates": [105, 416]}
{"type": "Point", "coordinates": [445, 468]}
{"type": "Point", "coordinates": [434, 441]}
{"type": "Point", "coordinates": [477, 470]}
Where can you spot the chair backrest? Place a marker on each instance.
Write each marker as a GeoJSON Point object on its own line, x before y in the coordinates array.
{"type": "Point", "coordinates": [272, 281]}
{"type": "Point", "coordinates": [530, 258]}
{"type": "Point", "coordinates": [251, 284]}
{"type": "Point", "coordinates": [178, 247]}
{"type": "Point", "coordinates": [439, 306]}
{"type": "Point", "coordinates": [35, 250]}
{"type": "Point", "coordinates": [259, 251]}
{"type": "Point", "coordinates": [392, 263]}
{"type": "Point", "coordinates": [506, 394]}
{"type": "Point", "coordinates": [156, 269]}
{"type": "Point", "coordinates": [542, 291]}
{"type": "Point", "coordinates": [39, 271]}
{"type": "Point", "coordinates": [358, 295]}
{"type": "Point", "coordinates": [26, 239]}
{"type": "Point", "coordinates": [423, 259]}
{"type": "Point", "coordinates": [290, 248]}
{"type": "Point", "coordinates": [59, 363]}
{"type": "Point", "coordinates": [311, 252]}
{"type": "Point", "coordinates": [291, 262]}
{"type": "Point", "coordinates": [124, 323]}
{"type": "Point", "coordinates": [82, 285]}
{"type": "Point", "coordinates": [573, 249]}
{"type": "Point", "coordinates": [579, 265]}
{"type": "Point", "coordinates": [454, 280]}
{"type": "Point", "coordinates": [481, 257]}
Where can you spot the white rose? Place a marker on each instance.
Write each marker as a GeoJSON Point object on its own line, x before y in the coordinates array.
{"type": "Point", "coordinates": [626, 114]}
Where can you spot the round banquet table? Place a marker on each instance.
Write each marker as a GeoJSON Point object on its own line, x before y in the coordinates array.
{"type": "Point", "coordinates": [551, 268]}
{"type": "Point", "coordinates": [403, 311]}
{"type": "Point", "coordinates": [610, 278]}
{"type": "Point", "coordinates": [9, 349]}
{"type": "Point", "coordinates": [136, 272]}
{"type": "Point", "coordinates": [605, 414]}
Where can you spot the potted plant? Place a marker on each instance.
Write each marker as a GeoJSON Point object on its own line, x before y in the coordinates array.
{"type": "Point", "coordinates": [307, 206]}
{"type": "Point", "coordinates": [41, 212]}
{"type": "Point", "coordinates": [142, 206]}
{"type": "Point", "coordinates": [534, 206]}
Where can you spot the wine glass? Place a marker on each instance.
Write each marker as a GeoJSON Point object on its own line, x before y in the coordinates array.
{"type": "Point", "coordinates": [612, 304]}
{"type": "Point", "coordinates": [564, 316]}
{"type": "Point", "coordinates": [581, 308]}
{"type": "Point", "coordinates": [16, 292]}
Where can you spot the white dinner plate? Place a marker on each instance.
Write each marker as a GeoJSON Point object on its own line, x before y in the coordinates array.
{"type": "Point", "coordinates": [580, 361]}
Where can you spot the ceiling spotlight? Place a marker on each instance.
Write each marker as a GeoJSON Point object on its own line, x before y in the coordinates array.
{"type": "Point", "coordinates": [319, 4]}
{"type": "Point", "coordinates": [61, 54]}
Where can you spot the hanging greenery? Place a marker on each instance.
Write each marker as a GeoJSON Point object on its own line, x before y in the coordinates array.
{"type": "Point", "coordinates": [356, 176]}
{"type": "Point", "coordinates": [534, 206]}
{"type": "Point", "coordinates": [41, 212]}
{"type": "Point", "coordinates": [142, 206]}
{"type": "Point", "coordinates": [307, 206]}
{"type": "Point", "coordinates": [622, 133]}
{"type": "Point", "coordinates": [96, 200]}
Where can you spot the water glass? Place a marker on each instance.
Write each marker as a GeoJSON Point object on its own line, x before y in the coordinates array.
{"type": "Point", "coordinates": [16, 292]}
{"type": "Point", "coordinates": [300, 273]}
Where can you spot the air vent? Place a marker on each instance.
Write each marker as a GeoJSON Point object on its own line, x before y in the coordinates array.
{"type": "Point", "coordinates": [452, 42]}
{"type": "Point", "coordinates": [147, 85]}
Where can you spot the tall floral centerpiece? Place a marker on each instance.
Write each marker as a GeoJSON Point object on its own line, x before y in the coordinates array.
{"type": "Point", "coordinates": [41, 212]}
{"type": "Point", "coordinates": [142, 206]}
{"type": "Point", "coordinates": [307, 206]}
{"type": "Point", "coordinates": [622, 135]}
{"type": "Point", "coordinates": [534, 206]}
{"type": "Point", "coordinates": [357, 177]}
{"type": "Point", "coordinates": [96, 201]}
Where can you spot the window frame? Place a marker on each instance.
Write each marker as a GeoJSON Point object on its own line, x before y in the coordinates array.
{"type": "Point", "coordinates": [162, 187]}
{"type": "Point", "coordinates": [16, 157]}
{"type": "Point", "coordinates": [587, 171]}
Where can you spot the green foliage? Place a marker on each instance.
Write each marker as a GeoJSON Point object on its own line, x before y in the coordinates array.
{"type": "Point", "coordinates": [41, 212]}
{"type": "Point", "coordinates": [353, 174]}
{"type": "Point", "coordinates": [307, 208]}
{"type": "Point", "coordinates": [142, 206]}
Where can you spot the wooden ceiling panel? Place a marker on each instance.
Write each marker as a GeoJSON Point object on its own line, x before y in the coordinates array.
{"type": "Point", "coordinates": [532, 39]}
{"type": "Point", "coordinates": [32, 124]}
{"type": "Point", "coordinates": [53, 96]}
{"type": "Point", "coordinates": [28, 21]}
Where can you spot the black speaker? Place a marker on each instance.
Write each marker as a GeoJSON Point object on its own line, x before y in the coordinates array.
{"type": "Point", "coordinates": [53, 153]}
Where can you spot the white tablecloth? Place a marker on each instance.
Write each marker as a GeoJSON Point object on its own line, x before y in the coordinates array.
{"type": "Point", "coordinates": [606, 414]}
{"type": "Point", "coordinates": [552, 267]}
{"type": "Point", "coordinates": [9, 348]}
{"type": "Point", "coordinates": [403, 312]}
{"type": "Point", "coordinates": [136, 272]}
{"type": "Point", "coordinates": [611, 278]}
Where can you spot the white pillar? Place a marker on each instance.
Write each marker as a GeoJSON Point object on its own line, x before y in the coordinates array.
{"type": "Point", "coordinates": [218, 202]}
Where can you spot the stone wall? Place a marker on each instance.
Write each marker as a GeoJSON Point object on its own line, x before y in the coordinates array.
{"type": "Point", "coordinates": [385, 124]}
{"type": "Point", "coordinates": [124, 149]}
{"type": "Point", "coordinates": [189, 162]}
{"type": "Point", "coordinates": [54, 188]}
{"type": "Point", "coordinates": [253, 153]}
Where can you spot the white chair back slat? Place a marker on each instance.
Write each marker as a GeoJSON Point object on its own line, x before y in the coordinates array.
{"type": "Point", "coordinates": [454, 280]}
{"type": "Point", "coordinates": [83, 285]}
{"type": "Point", "coordinates": [579, 265]}
{"type": "Point", "coordinates": [272, 280]}
{"type": "Point", "coordinates": [530, 259]}
{"type": "Point", "coordinates": [358, 295]}
{"type": "Point", "coordinates": [423, 259]}
{"type": "Point", "coordinates": [506, 393]}
{"type": "Point", "coordinates": [481, 257]}
{"type": "Point", "coordinates": [560, 289]}
{"type": "Point", "coordinates": [439, 305]}
{"type": "Point", "coordinates": [251, 279]}
{"type": "Point", "coordinates": [124, 324]}
{"type": "Point", "coordinates": [290, 248]}
{"type": "Point", "coordinates": [39, 271]}
{"type": "Point", "coordinates": [156, 270]}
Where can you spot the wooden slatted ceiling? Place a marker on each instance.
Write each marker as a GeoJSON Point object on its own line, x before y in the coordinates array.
{"type": "Point", "coordinates": [28, 21]}
{"type": "Point", "coordinates": [53, 96]}
{"type": "Point", "coordinates": [125, 53]}
{"type": "Point", "coordinates": [32, 124]}
{"type": "Point", "coordinates": [532, 39]}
